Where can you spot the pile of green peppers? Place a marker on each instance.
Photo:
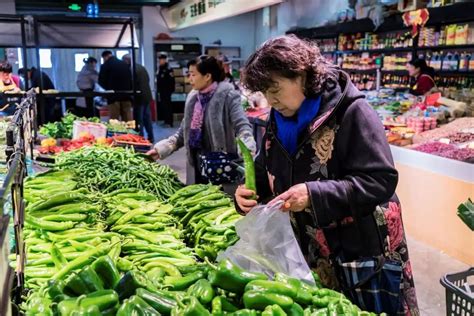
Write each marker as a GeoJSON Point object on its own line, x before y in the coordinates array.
{"type": "Point", "coordinates": [208, 216]}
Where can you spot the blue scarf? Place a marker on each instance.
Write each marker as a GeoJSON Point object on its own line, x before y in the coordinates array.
{"type": "Point", "coordinates": [290, 128]}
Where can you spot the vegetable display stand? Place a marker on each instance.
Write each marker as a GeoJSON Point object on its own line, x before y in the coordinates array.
{"type": "Point", "coordinates": [459, 293]}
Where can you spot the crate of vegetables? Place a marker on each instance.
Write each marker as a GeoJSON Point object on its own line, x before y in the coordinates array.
{"type": "Point", "coordinates": [139, 143]}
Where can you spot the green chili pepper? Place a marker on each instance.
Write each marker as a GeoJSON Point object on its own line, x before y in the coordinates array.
{"type": "Point", "coordinates": [273, 310]}
{"type": "Point", "coordinates": [231, 278]}
{"type": "Point", "coordinates": [180, 283]}
{"type": "Point", "coordinates": [58, 199]}
{"type": "Point", "coordinates": [250, 182]}
{"type": "Point", "coordinates": [272, 287]}
{"type": "Point", "coordinates": [168, 268]}
{"type": "Point", "coordinates": [57, 257]}
{"type": "Point", "coordinates": [159, 302]}
{"type": "Point", "coordinates": [203, 290]}
{"type": "Point", "coordinates": [65, 217]}
{"type": "Point", "coordinates": [81, 261]}
{"type": "Point", "coordinates": [48, 225]}
{"type": "Point", "coordinates": [260, 300]}
{"type": "Point", "coordinates": [124, 265]}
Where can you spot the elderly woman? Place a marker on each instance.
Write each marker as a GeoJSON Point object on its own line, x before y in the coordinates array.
{"type": "Point", "coordinates": [213, 118]}
{"type": "Point", "coordinates": [325, 155]}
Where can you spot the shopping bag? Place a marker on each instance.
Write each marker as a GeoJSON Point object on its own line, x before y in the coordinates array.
{"type": "Point", "coordinates": [267, 244]}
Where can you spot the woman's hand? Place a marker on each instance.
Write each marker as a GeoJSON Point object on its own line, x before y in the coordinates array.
{"type": "Point", "coordinates": [243, 198]}
{"type": "Point", "coordinates": [296, 199]}
{"type": "Point", "coordinates": [153, 154]}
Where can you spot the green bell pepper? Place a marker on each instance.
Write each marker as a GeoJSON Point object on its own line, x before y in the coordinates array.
{"type": "Point", "coordinates": [103, 299]}
{"type": "Point", "coordinates": [75, 286]}
{"type": "Point", "coordinates": [129, 283]}
{"type": "Point", "coordinates": [107, 271]}
{"type": "Point", "coordinates": [161, 303]}
{"type": "Point", "coordinates": [194, 308]}
{"type": "Point", "coordinates": [295, 310]}
{"type": "Point", "coordinates": [273, 310]}
{"type": "Point", "coordinates": [203, 290]}
{"type": "Point", "coordinates": [245, 312]}
{"type": "Point", "coordinates": [231, 278]}
{"type": "Point", "coordinates": [136, 306]}
{"type": "Point", "coordinates": [91, 279]}
{"type": "Point", "coordinates": [304, 291]}
{"type": "Point", "coordinates": [220, 304]}
{"type": "Point", "coordinates": [87, 311]}
{"type": "Point", "coordinates": [260, 300]}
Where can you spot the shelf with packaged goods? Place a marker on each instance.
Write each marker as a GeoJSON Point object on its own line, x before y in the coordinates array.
{"type": "Point", "coordinates": [454, 73]}
{"type": "Point", "coordinates": [446, 47]}
{"type": "Point", "coordinates": [376, 51]}
{"type": "Point", "coordinates": [360, 71]}
{"type": "Point", "coordinates": [395, 72]}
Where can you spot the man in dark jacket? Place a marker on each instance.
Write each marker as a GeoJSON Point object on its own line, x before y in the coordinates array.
{"type": "Point", "coordinates": [34, 79]}
{"type": "Point", "coordinates": [141, 108]}
{"type": "Point", "coordinates": [165, 87]}
{"type": "Point", "coordinates": [115, 75]}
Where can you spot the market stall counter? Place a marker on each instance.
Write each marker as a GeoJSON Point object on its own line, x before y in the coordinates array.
{"type": "Point", "coordinates": [431, 189]}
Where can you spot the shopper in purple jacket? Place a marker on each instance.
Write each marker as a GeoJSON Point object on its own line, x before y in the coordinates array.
{"type": "Point", "coordinates": [325, 154]}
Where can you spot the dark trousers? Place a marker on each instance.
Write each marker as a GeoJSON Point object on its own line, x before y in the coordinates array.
{"type": "Point", "coordinates": [142, 115]}
{"type": "Point", "coordinates": [167, 108]}
{"type": "Point", "coordinates": [90, 108]}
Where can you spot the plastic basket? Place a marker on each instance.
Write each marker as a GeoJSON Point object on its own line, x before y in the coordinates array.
{"type": "Point", "coordinates": [459, 302]}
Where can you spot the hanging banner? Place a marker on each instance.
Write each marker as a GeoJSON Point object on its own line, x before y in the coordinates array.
{"type": "Point", "coordinates": [192, 12]}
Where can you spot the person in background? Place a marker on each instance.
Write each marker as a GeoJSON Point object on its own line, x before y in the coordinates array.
{"type": "Point", "coordinates": [423, 77]}
{"type": "Point", "coordinates": [35, 77]}
{"type": "Point", "coordinates": [141, 108]}
{"type": "Point", "coordinates": [213, 118]}
{"type": "Point", "coordinates": [326, 159]}
{"type": "Point", "coordinates": [228, 71]}
{"type": "Point", "coordinates": [115, 75]}
{"type": "Point", "coordinates": [165, 86]}
{"type": "Point", "coordinates": [86, 81]}
{"type": "Point", "coordinates": [8, 81]}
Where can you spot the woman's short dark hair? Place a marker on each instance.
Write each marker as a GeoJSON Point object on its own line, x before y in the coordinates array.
{"type": "Point", "coordinates": [287, 57]}
{"type": "Point", "coordinates": [90, 60]}
{"type": "Point", "coordinates": [209, 65]}
{"type": "Point", "coordinates": [6, 67]}
{"type": "Point", "coordinates": [424, 68]}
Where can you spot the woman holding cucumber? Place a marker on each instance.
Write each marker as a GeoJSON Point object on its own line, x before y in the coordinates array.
{"type": "Point", "coordinates": [213, 118]}
{"type": "Point", "coordinates": [325, 155]}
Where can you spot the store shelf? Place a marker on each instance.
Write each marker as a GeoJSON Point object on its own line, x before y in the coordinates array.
{"type": "Point", "coordinates": [360, 71]}
{"type": "Point", "coordinates": [395, 72]}
{"type": "Point", "coordinates": [373, 51]}
{"type": "Point", "coordinates": [446, 47]}
{"type": "Point", "coordinates": [454, 73]}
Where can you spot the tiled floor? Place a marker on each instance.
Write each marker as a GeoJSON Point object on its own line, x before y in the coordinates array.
{"type": "Point", "coordinates": [428, 264]}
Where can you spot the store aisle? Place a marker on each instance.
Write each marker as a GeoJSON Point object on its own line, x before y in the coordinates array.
{"type": "Point", "coordinates": [429, 264]}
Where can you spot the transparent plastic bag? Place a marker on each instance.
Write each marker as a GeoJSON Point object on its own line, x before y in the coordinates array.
{"type": "Point", "coordinates": [267, 244]}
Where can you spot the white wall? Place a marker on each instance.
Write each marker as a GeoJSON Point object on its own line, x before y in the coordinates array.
{"type": "Point", "coordinates": [300, 13]}
{"type": "Point", "coordinates": [7, 7]}
{"type": "Point", "coordinates": [246, 30]}
{"type": "Point", "coordinates": [234, 31]}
